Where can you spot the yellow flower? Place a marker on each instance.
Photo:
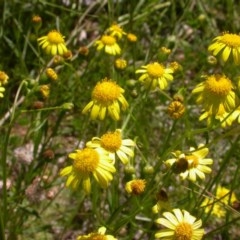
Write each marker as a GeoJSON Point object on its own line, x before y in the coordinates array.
{"type": "Point", "coordinates": [176, 109]}
{"type": "Point", "coordinates": [192, 164]}
{"type": "Point", "coordinates": [45, 90]}
{"type": "Point", "coordinates": [225, 118]}
{"type": "Point", "coordinates": [53, 43]}
{"type": "Point", "coordinates": [120, 63]}
{"type": "Point", "coordinates": [165, 50]}
{"type": "Point", "coordinates": [136, 186]}
{"type": "Point", "coordinates": [115, 145]}
{"type": "Point", "coordinates": [51, 74]}
{"type": "Point", "coordinates": [155, 74]}
{"type": "Point", "coordinates": [180, 226]}
{"type": "Point", "coordinates": [214, 207]}
{"type": "Point", "coordinates": [175, 66]}
{"type": "Point", "coordinates": [2, 90]}
{"type": "Point", "coordinates": [131, 37]}
{"type": "Point", "coordinates": [214, 93]}
{"type": "Point", "coordinates": [88, 162]}
{"type": "Point", "coordinates": [109, 44]}
{"type": "Point", "coordinates": [225, 195]}
{"type": "Point", "coordinates": [3, 78]}
{"type": "Point", "coordinates": [106, 97]}
{"type": "Point", "coordinates": [217, 205]}
{"type": "Point", "coordinates": [115, 31]}
{"type": "Point", "coordinates": [227, 44]}
{"type": "Point", "coordinates": [100, 235]}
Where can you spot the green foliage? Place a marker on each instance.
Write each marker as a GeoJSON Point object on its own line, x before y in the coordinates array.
{"type": "Point", "coordinates": [39, 132]}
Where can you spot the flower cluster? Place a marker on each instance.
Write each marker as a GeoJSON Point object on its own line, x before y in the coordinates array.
{"type": "Point", "coordinates": [217, 93]}
{"type": "Point", "coordinates": [109, 40]}
{"type": "Point", "coordinates": [98, 159]}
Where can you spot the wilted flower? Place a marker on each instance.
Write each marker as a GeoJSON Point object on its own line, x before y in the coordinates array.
{"type": "Point", "coordinates": [135, 186]}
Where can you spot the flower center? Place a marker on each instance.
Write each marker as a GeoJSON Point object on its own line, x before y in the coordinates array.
{"type": "Point", "coordinates": [106, 92]}
{"type": "Point", "coordinates": [155, 70]}
{"type": "Point", "coordinates": [97, 236]}
{"type": "Point", "coordinates": [193, 160]}
{"type": "Point", "coordinates": [86, 161]}
{"type": "Point", "coordinates": [181, 165]}
{"type": "Point", "coordinates": [55, 37]}
{"type": "Point", "coordinates": [108, 40]}
{"type": "Point", "coordinates": [232, 40]}
{"type": "Point", "coordinates": [111, 141]}
{"type": "Point", "coordinates": [183, 231]}
{"type": "Point", "coordinates": [218, 85]}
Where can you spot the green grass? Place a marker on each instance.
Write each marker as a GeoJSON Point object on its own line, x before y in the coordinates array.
{"type": "Point", "coordinates": [36, 142]}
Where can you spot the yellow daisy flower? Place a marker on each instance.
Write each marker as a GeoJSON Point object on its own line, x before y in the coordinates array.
{"type": "Point", "coordinates": [155, 74]}
{"type": "Point", "coordinates": [100, 235]}
{"type": "Point", "coordinates": [106, 97]}
{"type": "Point", "coordinates": [109, 44]}
{"type": "Point", "coordinates": [3, 78]}
{"type": "Point", "coordinates": [115, 145]}
{"type": "Point", "coordinates": [115, 31]}
{"type": "Point", "coordinates": [225, 118]}
{"type": "Point", "coordinates": [217, 205]}
{"type": "Point", "coordinates": [53, 43]}
{"type": "Point", "coordinates": [227, 44]}
{"type": "Point", "coordinates": [214, 93]}
{"type": "Point", "coordinates": [88, 162]}
{"type": "Point", "coordinates": [136, 186]}
{"type": "Point", "coordinates": [180, 225]}
{"type": "Point", "coordinates": [192, 164]}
